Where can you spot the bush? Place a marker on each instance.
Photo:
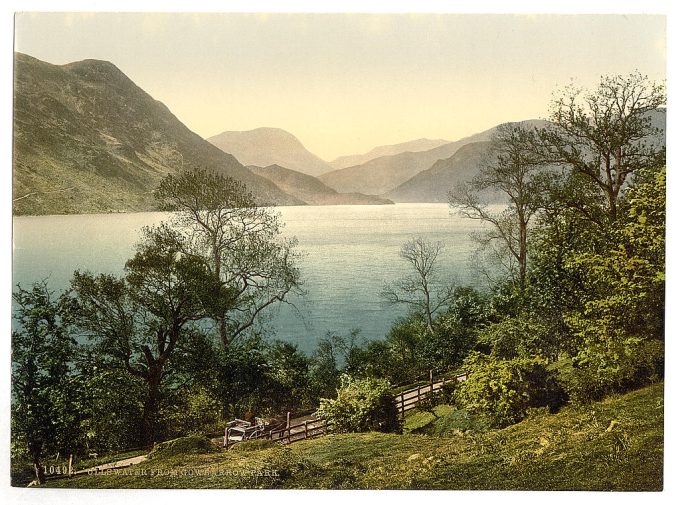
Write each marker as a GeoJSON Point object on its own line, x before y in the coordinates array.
{"type": "Point", "coordinates": [504, 390]}
{"type": "Point", "coordinates": [194, 444]}
{"type": "Point", "coordinates": [361, 405]}
{"type": "Point", "coordinates": [598, 371]}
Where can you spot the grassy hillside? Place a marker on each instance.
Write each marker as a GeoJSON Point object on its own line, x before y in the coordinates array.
{"type": "Point", "coordinates": [616, 444]}
{"type": "Point", "coordinates": [88, 140]}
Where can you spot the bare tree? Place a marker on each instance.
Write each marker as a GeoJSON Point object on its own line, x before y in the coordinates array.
{"type": "Point", "coordinates": [513, 170]}
{"type": "Point", "coordinates": [606, 135]}
{"type": "Point", "coordinates": [217, 221]}
{"type": "Point", "coordinates": [422, 290]}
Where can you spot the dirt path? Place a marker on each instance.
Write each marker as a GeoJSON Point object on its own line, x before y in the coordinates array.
{"type": "Point", "coordinates": [112, 465]}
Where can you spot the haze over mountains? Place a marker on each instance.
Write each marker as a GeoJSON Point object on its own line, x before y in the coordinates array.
{"type": "Point", "coordinates": [410, 146]}
{"type": "Point", "coordinates": [87, 139]}
{"type": "Point", "coordinates": [270, 146]}
{"type": "Point", "coordinates": [312, 190]}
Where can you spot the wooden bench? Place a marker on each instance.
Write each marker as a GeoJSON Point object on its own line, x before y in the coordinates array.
{"type": "Point", "coordinates": [239, 430]}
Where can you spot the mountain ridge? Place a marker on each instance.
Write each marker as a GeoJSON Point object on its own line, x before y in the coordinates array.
{"type": "Point", "coordinates": [87, 139]}
{"type": "Point", "coordinates": [417, 145]}
{"type": "Point", "coordinates": [267, 146]}
{"type": "Point", "coordinates": [311, 190]}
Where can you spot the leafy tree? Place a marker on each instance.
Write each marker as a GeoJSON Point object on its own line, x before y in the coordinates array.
{"type": "Point", "coordinates": [514, 170]}
{"type": "Point", "coordinates": [621, 326]}
{"type": "Point", "coordinates": [217, 222]}
{"type": "Point", "coordinates": [45, 414]}
{"type": "Point", "coordinates": [137, 321]}
{"type": "Point", "coordinates": [423, 291]}
{"type": "Point", "coordinates": [333, 354]}
{"type": "Point", "coordinates": [605, 135]}
{"type": "Point", "coordinates": [287, 369]}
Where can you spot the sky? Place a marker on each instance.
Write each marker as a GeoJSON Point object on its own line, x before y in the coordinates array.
{"type": "Point", "coordinates": [344, 83]}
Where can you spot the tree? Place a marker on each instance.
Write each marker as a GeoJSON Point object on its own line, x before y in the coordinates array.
{"type": "Point", "coordinates": [44, 393]}
{"type": "Point", "coordinates": [137, 321]}
{"type": "Point", "coordinates": [621, 326]}
{"type": "Point", "coordinates": [514, 170]}
{"type": "Point", "coordinates": [216, 221]}
{"type": "Point", "coordinates": [422, 291]}
{"type": "Point", "coordinates": [605, 135]}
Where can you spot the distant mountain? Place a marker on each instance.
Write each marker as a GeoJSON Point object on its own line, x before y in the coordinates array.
{"type": "Point", "coordinates": [270, 146]}
{"type": "Point", "coordinates": [381, 175]}
{"type": "Point", "coordinates": [87, 139]}
{"type": "Point", "coordinates": [311, 190]}
{"type": "Point", "coordinates": [433, 184]}
{"type": "Point", "coordinates": [412, 146]}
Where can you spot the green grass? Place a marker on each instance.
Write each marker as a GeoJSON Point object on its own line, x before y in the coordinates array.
{"type": "Point", "coordinates": [616, 444]}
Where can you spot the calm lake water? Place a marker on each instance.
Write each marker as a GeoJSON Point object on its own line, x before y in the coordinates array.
{"type": "Point", "coordinates": [349, 253]}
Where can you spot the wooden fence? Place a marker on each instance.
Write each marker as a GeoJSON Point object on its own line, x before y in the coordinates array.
{"type": "Point", "coordinates": [409, 399]}
{"type": "Point", "coordinates": [313, 427]}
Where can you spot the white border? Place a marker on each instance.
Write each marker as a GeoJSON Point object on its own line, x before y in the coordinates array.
{"type": "Point", "coordinates": [672, 469]}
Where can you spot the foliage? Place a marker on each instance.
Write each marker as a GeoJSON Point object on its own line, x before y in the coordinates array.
{"type": "Point", "coordinates": [111, 405]}
{"type": "Point", "coordinates": [605, 134]}
{"type": "Point", "coordinates": [621, 326]}
{"type": "Point", "coordinates": [194, 444]}
{"type": "Point", "coordinates": [361, 405]}
{"type": "Point", "coordinates": [45, 413]}
{"type": "Point", "coordinates": [519, 337]}
{"type": "Point", "coordinates": [504, 390]}
{"type": "Point", "coordinates": [217, 222]}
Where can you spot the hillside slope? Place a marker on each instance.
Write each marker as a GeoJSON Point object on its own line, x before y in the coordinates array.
{"type": "Point", "coordinates": [270, 146]}
{"type": "Point", "coordinates": [613, 445]}
{"type": "Point", "coordinates": [412, 146]}
{"type": "Point", "coordinates": [381, 175]}
{"type": "Point", "coordinates": [432, 185]}
{"type": "Point", "coordinates": [87, 139]}
{"type": "Point", "coordinates": [311, 190]}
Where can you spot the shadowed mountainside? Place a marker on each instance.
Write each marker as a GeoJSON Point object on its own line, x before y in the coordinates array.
{"type": "Point", "coordinates": [88, 140]}
{"type": "Point", "coordinates": [412, 146]}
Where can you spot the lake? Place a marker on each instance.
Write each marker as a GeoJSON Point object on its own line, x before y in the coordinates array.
{"type": "Point", "coordinates": [349, 253]}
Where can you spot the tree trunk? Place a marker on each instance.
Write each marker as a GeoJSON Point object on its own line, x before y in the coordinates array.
{"type": "Point", "coordinates": [150, 410]}
{"type": "Point", "coordinates": [38, 467]}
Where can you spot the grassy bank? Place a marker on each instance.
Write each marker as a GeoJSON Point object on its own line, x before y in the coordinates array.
{"type": "Point", "coordinates": [616, 444]}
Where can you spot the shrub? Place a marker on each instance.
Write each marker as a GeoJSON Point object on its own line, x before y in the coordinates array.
{"type": "Point", "coordinates": [361, 405]}
{"type": "Point", "coordinates": [194, 444]}
{"type": "Point", "coordinates": [504, 390]}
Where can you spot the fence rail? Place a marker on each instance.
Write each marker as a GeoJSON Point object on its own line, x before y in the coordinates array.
{"type": "Point", "coordinates": [313, 427]}
{"type": "Point", "coordinates": [409, 398]}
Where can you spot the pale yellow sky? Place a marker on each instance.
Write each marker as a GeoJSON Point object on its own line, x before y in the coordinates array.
{"type": "Point", "coordinates": [344, 83]}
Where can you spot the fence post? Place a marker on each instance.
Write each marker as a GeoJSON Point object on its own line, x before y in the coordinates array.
{"type": "Point", "coordinates": [402, 404]}
{"type": "Point", "coordinates": [287, 419]}
{"type": "Point", "coordinates": [70, 464]}
{"type": "Point", "coordinates": [306, 429]}
{"type": "Point", "coordinates": [431, 382]}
